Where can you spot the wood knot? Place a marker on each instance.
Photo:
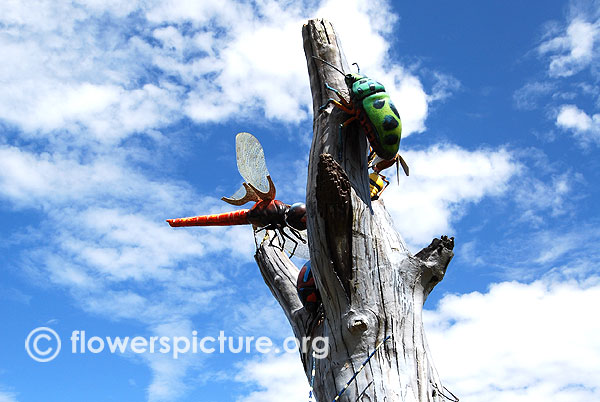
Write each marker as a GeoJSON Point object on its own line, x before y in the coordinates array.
{"type": "Point", "coordinates": [357, 323]}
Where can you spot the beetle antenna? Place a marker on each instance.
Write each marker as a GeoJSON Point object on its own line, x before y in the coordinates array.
{"type": "Point", "coordinates": [330, 65]}
{"type": "Point", "coordinates": [357, 67]}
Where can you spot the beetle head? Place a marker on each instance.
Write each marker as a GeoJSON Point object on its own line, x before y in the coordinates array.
{"type": "Point", "coordinates": [351, 78]}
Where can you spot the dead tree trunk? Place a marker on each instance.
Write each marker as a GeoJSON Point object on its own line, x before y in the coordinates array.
{"type": "Point", "coordinates": [371, 285]}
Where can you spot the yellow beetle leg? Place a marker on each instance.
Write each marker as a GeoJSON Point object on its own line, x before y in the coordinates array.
{"type": "Point", "coordinates": [387, 183]}
{"type": "Point", "coordinates": [343, 107]}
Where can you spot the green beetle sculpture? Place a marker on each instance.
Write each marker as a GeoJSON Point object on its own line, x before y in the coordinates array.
{"type": "Point", "coordinates": [372, 107]}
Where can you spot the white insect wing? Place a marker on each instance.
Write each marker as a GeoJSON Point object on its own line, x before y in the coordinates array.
{"type": "Point", "coordinates": [251, 161]}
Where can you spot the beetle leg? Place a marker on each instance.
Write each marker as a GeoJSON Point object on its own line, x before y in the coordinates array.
{"type": "Point", "coordinates": [273, 239]}
{"type": "Point", "coordinates": [296, 233]}
{"type": "Point", "coordinates": [323, 107]}
{"type": "Point", "coordinates": [344, 108]}
{"type": "Point", "coordinates": [284, 235]}
{"type": "Point", "coordinates": [339, 94]}
{"type": "Point", "coordinates": [340, 142]}
{"type": "Point", "coordinates": [293, 250]}
{"type": "Point", "coordinates": [270, 227]}
{"type": "Point", "coordinates": [387, 183]}
{"type": "Point", "coordinates": [338, 105]}
{"type": "Point", "coordinates": [350, 120]}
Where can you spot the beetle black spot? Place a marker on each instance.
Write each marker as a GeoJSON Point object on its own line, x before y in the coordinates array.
{"type": "Point", "coordinates": [393, 107]}
{"type": "Point", "coordinates": [362, 81]}
{"type": "Point", "coordinates": [379, 103]}
{"type": "Point", "coordinates": [389, 122]}
{"type": "Point", "coordinates": [372, 87]}
{"type": "Point", "coordinates": [359, 90]}
{"type": "Point", "coordinates": [390, 139]}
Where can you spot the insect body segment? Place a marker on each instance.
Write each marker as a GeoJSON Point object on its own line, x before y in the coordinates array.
{"type": "Point", "coordinates": [377, 183]}
{"type": "Point", "coordinates": [239, 217]}
{"type": "Point", "coordinates": [307, 289]}
{"type": "Point", "coordinates": [274, 214]}
{"type": "Point", "coordinates": [377, 115]}
{"type": "Point", "coordinates": [386, 123]}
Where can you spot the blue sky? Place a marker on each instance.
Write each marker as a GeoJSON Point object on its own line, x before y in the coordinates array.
{"type": "Point", "coordinates": [117, 115]}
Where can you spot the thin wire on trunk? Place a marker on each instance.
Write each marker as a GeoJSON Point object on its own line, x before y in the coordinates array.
{"type": "Point", "coordinates": [362, 366]}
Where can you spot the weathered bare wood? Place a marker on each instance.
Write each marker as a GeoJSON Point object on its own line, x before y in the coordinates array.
{"type": "Point", "coordinates": [280, 275]}
{"type": "Point", "coordinates": [371, 285]}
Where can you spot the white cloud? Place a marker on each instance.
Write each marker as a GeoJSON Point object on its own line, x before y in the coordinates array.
{"type": "Point", "coordinates": [234, 60]}
{"type": "Point", "coordinates": [548, 246]}
{"type": "Point", "coordinates": [570, 49]}
{"type": "Point", "coordinates": [53, 179]}
{"type": "Point", "coordinates": [556, 245]}
{"type": "Point", "coordinates": [167, 372]}
{"type": "Point", "coordinates": [272, 319]}
{"type": "Point", "coordinates": [7, 396]}
{"type": "Point", "coordinates": [444, 87]}
{"type": "Point", "coordinates": [470, 253]}
{"type": "Point", "coordinates": [552, 194]}
{"type": "Point", "coordinates": [570, 116]}
{"type": "Point", "coordinates": [126, 245]}
{"type": "Point", "coordinates": [44, 179]}
{"type": "Point", "coordinates": [108, 259]}
{"type": "Point", "coordinates": [443, 181]}
{"type": "Point", "coordinates": [63, 70]}
{"type": "Point", "coordinates": [274, 376]}
{"type": "Point", "coordinates": [266, 67]}
{"type": "Point", "coordinates": [411, 100]}
{"type": "Point", "coordinates": [574, 50]}
{"type": "Point", "coordinates": [519, 342]}
{"type": "Point", "coordinates": [528, 96]}
{"type": "Point", "coordinates": [585, 128]}
{"type": "Point", "coordinates": [200, 12]}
